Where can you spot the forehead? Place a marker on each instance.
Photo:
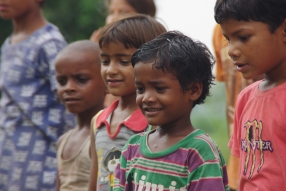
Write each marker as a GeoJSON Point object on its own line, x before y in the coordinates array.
{"type": "Point", "coordinates": [149, 71]}
{"type": "Point", "coordinates": [77, 61]}
{"type": "Point", "coordinates": [116, 48]}
{"type": "Point", "coordinates": [232, 26]}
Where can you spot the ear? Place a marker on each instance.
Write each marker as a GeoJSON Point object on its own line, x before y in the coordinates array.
{"type": "Point", "coordinates": [195, 91]}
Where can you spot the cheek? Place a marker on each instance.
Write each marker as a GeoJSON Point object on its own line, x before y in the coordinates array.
{"type": "Point", "coordinates": [139, 98]}
{"type": "Point", "coordinates": [60, 92]}
{"type": "Point", "coordinates": [103, 72]}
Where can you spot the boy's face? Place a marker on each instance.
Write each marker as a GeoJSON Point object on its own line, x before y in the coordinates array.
{"type": "Point", "coordinates": [116, 69]}
{"type": "Point", "coordinates": [254, 49]}
{"type": "Point", "coordinates": [80, 86]}
{"type": "Point", "coordinates": [13, 9]}
{"type": "Point", "coordinates": [160, 97]}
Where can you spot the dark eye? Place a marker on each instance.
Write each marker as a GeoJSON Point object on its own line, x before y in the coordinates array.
{"type": "Point", "coordinates": [61, 81]}
{"type": "Point", "coordinates": [125, 62]}
{"type": "Point", "coordinates": [82, 80]}
{"type": "Point", "coordinates": [105, 61]}
{"type": "Point", "coordinates": [244, 38]}
{"type": "Point", "coordinates": [139, 90]}
{"type": "Point", "coordinates": [160, 89]}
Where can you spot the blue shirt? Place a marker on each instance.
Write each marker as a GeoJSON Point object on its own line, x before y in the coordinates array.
{"type": "Point", "coordinates": [31, 115]}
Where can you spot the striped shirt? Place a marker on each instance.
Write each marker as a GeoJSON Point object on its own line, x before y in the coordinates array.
{"type": "Point", "coordinates": [194, 163]}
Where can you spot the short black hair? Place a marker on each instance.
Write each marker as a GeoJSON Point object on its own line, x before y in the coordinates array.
{"type": "Point", "coordinates": [188, 60]}
{"type": "Point", "coordinates": [270, 12]}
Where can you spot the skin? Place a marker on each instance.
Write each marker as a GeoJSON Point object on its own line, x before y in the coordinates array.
{"type": "Point", "coordinates": [164, 104]}
{"type": "Point", "coordinates": [82, 91]}
{"type": "Point", "coordinates": [26, 16]}
{"type": "Point", "coordinates": [256, 51]}
{"type": "Point", "coordinates": [117, 8]}
{"type": "Point", "coordinates": [118, 76]}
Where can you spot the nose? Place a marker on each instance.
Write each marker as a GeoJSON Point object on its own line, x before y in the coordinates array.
{"type": "Point", "coordinates": [148, 97]}
{"type": "Point", "coordinates": [233, 51]}
{"type": "Point", "coordinates": [112, 68]}
{"type": "Point", "coordinates": [70, 86]}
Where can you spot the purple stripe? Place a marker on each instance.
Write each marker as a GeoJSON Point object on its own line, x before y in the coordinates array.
{"type": "Point", "coordinates": [213, 184]}
{"type": "Point", "coordinates": [178, 157]}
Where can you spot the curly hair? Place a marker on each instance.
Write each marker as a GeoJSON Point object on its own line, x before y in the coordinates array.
{"type": "Point", "coordinates": [188, 60]}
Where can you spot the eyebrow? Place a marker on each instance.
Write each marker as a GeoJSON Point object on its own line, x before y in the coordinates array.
{"type": "Point", "coordinates": [119, 55]}
{"type": "Point", "coordinates": [237, 32]}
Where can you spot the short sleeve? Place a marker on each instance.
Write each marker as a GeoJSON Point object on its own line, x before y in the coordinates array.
{"type": "Point", "coordinates": [234, 142]}
{"type": "Point", "coordinates": [208, 177]}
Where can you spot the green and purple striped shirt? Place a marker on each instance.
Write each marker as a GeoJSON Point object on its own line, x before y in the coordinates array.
{"type": "Point", "coordinates": [195, 163]}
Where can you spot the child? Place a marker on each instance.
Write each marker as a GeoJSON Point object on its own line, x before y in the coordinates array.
{"type": "Point", "coordinates": [81, 89]}
{"type": "Point", "coordinates": [256, 33]}
{"type": "Point", "coordinates": [114, 126]}
{"type": "Point", "coordinates": [117, 8]}
{"type": "Point", "coordinates": [31, 115]}
{"type": "Point", "coordinates": [172, 74]}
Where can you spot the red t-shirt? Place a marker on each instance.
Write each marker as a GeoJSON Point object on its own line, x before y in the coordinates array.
{"type": "Point", "coordinates": [259, 138]}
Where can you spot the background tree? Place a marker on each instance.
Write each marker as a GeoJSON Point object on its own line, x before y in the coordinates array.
{"type": "Point", "coordinates": [76, 19]}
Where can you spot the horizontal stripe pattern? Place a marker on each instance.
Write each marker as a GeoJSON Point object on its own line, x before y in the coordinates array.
{"type": "Point", "coordinates": [196, 165]}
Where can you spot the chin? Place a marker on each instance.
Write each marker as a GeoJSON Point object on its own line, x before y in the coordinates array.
{"type": "Point", "coordinates": [153, 122]}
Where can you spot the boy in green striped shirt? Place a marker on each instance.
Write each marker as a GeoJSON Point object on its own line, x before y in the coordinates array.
{"type": "Point", "coordinates": [173, 73]}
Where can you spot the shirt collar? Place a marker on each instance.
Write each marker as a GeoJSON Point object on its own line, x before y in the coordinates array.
{"type": "Point", "coordinates": [136, 122]}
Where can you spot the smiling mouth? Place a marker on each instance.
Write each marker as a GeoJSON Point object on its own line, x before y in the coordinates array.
{"type": "Point", "coordinates": [240, 65]}
{"type": "Point", "coordinates": [152, 109]}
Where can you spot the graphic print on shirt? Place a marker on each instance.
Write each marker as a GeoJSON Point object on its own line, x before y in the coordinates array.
{"type": "Point", "coordinates": [142, 184]}
{"type": "Point", "coordinates": [253, 143]}
{"type": "Point", "coordinates": [109, 162]}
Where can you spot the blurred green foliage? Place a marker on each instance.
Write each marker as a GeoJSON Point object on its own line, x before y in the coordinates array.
{"type": "Point", "coordinates": [5, 29]}
{"type": "Point", "coordinates": [211, 117]}
{"type": "Point", "coordinates": [76, 19]}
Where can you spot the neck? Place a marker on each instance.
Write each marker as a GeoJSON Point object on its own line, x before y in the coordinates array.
{"type": "Point", "coordinates": [128, 102]}
{"type": "Point", "coordinates": [26, 25]}
{"type": "Point", "coordinates": [84, 118]}
{"type": "Point", "coordinates": [179, 130]}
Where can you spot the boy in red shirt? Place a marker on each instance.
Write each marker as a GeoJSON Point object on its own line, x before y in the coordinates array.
{"type": "Point", "coordinates": [256, 33]}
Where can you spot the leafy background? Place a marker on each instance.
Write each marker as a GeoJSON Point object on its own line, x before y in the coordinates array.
{"type": "Point", "coordinates": [78, 19]}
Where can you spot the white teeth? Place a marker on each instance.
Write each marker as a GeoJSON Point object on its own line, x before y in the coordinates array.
{"type": "Point", "coordinates": [152, 110]}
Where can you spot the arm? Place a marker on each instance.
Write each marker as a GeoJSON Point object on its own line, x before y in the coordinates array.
{"type": "Point", "coordinates": [58, 183]}
{"type": "Point", "coordinates": [94, 162]}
